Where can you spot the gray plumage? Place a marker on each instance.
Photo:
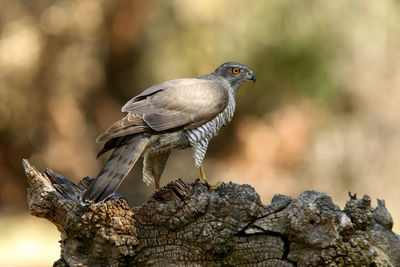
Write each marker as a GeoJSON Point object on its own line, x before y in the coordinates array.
{"type": "Point", "coordinates": [176, 114]}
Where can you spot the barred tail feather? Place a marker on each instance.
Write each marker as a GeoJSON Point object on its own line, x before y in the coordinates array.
{"type": "Point", "coordinates": [117, 167]}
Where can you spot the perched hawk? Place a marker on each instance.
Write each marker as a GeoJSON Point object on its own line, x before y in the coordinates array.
{"type": "Point", "coordinates": [176, 114]}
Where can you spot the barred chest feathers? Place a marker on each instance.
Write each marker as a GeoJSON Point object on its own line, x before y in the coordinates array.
{"type": "Point", "coordinates": [201, 136]}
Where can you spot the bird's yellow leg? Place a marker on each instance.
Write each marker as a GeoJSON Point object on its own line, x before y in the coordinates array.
{"type": "Point", "coordinates": [204, 180]}
{"type": "Point", "coordinates": [202, 175]}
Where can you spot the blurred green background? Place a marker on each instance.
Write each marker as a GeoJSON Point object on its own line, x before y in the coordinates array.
{"type": "Point", "coordinates": [323, 115]}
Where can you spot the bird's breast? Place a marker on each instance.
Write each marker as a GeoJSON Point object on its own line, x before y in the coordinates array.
{"type": "Point", "coordinates": [205, 132]}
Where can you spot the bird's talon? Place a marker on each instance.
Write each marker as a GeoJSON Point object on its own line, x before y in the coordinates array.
{"type": "Point", "coordinates": [212, 186]}
{"type": "Point", "coordinates": [215, 186]}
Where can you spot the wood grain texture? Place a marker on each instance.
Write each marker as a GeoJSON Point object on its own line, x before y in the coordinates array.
{"type": "Point", "coordinates": [191, 225]}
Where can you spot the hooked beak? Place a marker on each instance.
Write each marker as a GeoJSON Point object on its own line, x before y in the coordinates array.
{"type": "Point", "coordinates": [251, 76]}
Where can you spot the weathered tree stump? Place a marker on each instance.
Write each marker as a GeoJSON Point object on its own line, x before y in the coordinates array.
{"type": "Point", "coordinates": [191, 225]}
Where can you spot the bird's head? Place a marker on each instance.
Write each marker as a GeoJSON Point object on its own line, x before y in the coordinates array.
{"type": "Point", "coordinates": [235, 73]}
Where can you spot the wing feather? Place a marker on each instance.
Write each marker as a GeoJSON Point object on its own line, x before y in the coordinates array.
{"type": "Point", "coordinates": [185, 103]}
{"type": "Point", "coordinates": [179, 103]}
{"type": "Point", "coordinates": [166, 121]}
{"type": "Point", "coordinates": [130, 124]}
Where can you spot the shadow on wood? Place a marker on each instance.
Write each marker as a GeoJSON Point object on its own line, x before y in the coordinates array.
{"type": "Point", "coordinates": [191, 225]}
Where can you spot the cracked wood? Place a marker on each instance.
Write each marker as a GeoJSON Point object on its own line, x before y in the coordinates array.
{"type": "Point", "coordinates": [186, 224]}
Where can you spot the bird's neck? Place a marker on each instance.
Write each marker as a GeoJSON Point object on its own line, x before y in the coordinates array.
{"type": "Point", "coordinates": [234, 89]}
{"type": "Point", "coordinates": [231, 87]}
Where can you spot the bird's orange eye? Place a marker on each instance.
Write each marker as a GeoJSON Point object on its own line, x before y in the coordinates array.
{"type": "Point", "coordinates": [235, 70]}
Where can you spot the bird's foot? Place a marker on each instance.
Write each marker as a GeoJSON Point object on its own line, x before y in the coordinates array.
{"type": "Point", "coordinates": [213, 186]}
{"type": "Point", "coordinates": [204, 180]}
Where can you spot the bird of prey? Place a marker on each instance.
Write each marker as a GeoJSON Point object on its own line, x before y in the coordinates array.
{"type": "Point", "coordinates": [175, 114]}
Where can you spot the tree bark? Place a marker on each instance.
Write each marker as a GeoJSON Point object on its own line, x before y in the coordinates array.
{"type": "Point", "coordinates": [191, 225]}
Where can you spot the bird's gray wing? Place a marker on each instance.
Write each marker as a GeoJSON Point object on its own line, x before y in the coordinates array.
{"type": "Point", "coordinates": [186, 103]}
{"type": "Point", "coordinates": [130, 124]}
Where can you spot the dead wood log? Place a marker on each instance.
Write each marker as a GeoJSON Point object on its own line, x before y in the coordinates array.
{"type": "Point", "coordinates": [191, 225]}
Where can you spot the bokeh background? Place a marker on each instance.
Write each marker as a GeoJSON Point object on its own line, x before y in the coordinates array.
{"type": "Point", "coordinates": [323, 115]}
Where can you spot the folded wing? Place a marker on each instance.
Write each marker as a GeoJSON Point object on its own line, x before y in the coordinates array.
{"type": "Point", "coordinates": [181, 103]}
